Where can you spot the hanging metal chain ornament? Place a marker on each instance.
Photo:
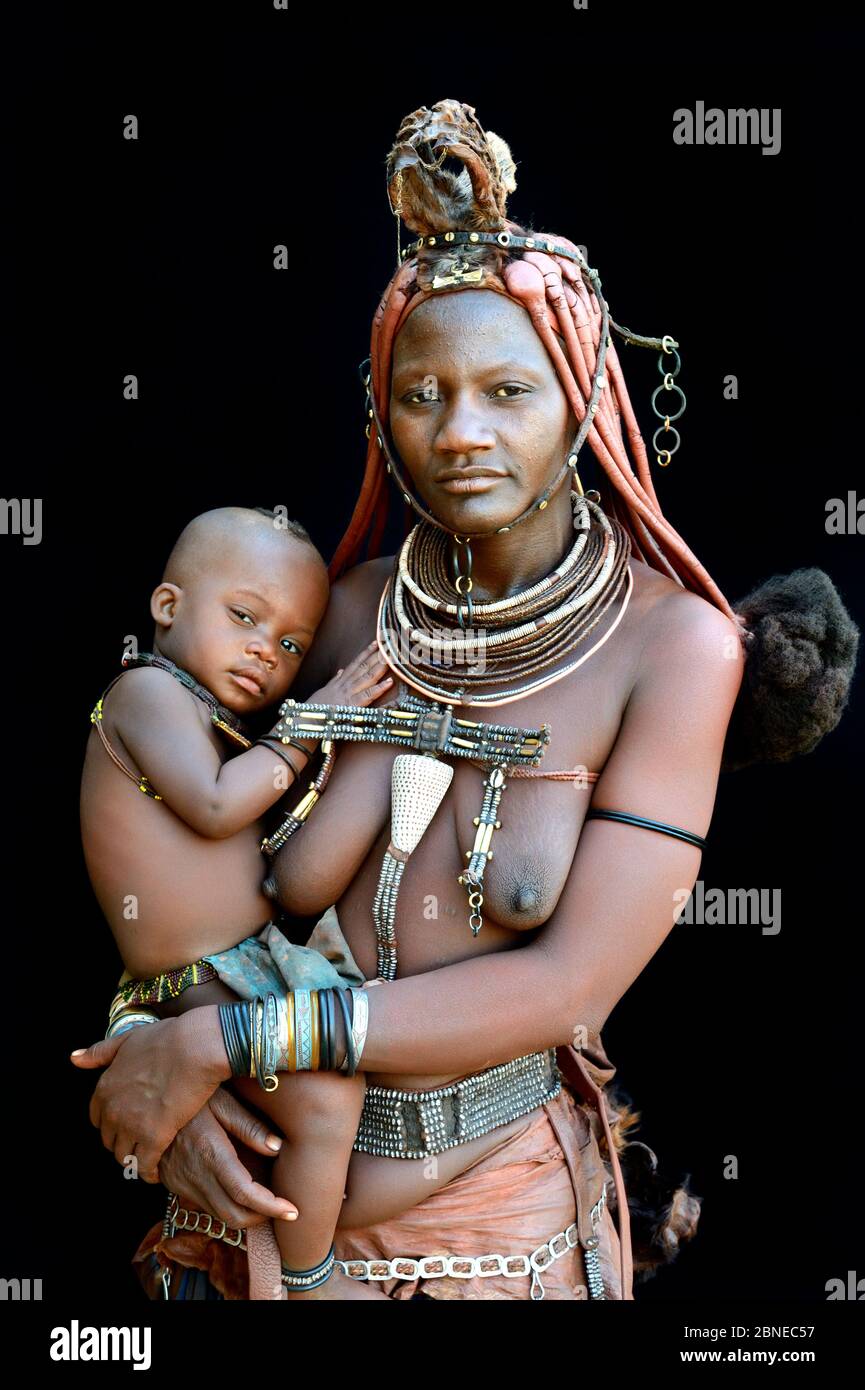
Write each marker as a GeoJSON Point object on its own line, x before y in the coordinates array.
{"type": "Point", "coordinates": [668, 346]}
{"type": "Point", "coordinates": [462, 580]}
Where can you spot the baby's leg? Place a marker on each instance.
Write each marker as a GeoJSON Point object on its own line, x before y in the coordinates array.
{"type": "Point", "coordinates": [380, 1188]}
{"type": "Point", "coordinates": [318, 1113]}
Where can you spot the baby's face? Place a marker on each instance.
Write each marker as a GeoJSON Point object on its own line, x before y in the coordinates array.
{"type": "Point", "coordinates": [244, 630]}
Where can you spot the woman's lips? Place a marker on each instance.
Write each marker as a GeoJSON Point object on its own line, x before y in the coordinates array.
{"type": "Point", "coordinates": [479, 482]}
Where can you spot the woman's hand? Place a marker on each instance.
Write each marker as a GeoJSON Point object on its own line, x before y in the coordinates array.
{"type": "Point", "coordinates": [203, 1168]}
{"type": "Point", "coordinates": [159, 1076]}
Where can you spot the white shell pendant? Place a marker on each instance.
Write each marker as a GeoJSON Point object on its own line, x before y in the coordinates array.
{"type": "Point", "coordinates": [418, 785]}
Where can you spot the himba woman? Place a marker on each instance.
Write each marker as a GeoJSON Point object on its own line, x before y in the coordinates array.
{"type": "Point", "coordinates": [539, 886]}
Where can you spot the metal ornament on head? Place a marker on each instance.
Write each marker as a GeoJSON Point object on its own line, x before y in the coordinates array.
{"type": "Point", "coordinates": [479, 194]}
{"type": "Point", "coordinates": [460, 220]}
{"type": "Point", "coordinates": [413, 138]}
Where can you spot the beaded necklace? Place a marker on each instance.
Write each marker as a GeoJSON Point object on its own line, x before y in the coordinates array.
{"type": "Point", "coordinates": [554, 615]}
{"type": "Point", "coordinates": [222, 717]}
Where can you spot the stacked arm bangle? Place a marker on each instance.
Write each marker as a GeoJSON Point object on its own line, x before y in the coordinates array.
{"type": "Point", "coordinates": [264, 1036]}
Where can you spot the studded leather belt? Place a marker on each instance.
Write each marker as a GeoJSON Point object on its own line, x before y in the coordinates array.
{"type": "Point", "coordinates": [417, 1124]}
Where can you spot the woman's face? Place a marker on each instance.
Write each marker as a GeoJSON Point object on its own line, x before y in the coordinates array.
{"type": "Point", "coordinates": [473, 388]}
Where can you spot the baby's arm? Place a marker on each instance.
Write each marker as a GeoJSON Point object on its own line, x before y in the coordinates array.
{"type": "Point", "coordinates": [162, 729]}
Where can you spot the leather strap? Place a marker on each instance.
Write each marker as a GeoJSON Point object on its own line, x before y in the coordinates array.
{"type": "Point", "coordinates": [102, 734]}
{"type": "Point", "coordinates": [574, 1070]}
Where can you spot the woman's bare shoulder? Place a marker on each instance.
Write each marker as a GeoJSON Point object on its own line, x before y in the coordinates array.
{"type": "Point", "coordinates": [354, 599]}
{"type": "Point", "coordinates": [363, 578]}
{"type": "Point", "coordinates": [684, 633]}
{"type": "Point", "coordinates": [671, 609]}
{"type": "Point", "coordinates": [348, 625]}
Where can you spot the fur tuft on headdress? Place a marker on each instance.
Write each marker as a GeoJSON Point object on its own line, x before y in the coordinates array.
{"type": "Point", "coordinates": [799, 668]}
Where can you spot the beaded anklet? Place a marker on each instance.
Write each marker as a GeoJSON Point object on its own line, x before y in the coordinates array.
{"type": "Point", "coordinates": [309, 1278]}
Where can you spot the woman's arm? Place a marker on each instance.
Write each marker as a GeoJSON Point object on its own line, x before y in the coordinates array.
{"type": "Point", "coordinates": [315, 867]}
{"type": "Point", "coordinates": [617, 907]}
{"type": "Point", "coordinates": [620, 900]}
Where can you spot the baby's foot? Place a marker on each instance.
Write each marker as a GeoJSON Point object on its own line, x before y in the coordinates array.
{"type": "Point", "coordinates": [340, 1287]}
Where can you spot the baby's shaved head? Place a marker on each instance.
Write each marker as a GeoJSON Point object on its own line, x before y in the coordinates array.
{"type": "Point", "coordinates": [207, 541]}
{"type": "Point", "coordinates": [243, 590]}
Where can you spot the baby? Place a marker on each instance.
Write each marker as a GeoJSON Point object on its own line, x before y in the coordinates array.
{"type": "Point", "coordinates": [178, 871]}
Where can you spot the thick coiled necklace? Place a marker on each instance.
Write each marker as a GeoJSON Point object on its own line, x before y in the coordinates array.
{"type": "Point", "coordinates": [514, 638]}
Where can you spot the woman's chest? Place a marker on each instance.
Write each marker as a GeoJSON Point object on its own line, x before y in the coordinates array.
{"type": "Point", "coordinates": [526, 857]}
{"type": "Point", "coordinates": [528, 854]}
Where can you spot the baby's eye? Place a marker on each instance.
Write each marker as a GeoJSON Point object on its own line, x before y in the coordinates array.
{"type": "Point", "coordinates": [293, 644]}
{"type": "Point", "coordinates": [241, 614]}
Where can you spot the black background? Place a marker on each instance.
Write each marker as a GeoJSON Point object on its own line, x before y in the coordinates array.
{"type": "Point", "coordinates": [154, 257]}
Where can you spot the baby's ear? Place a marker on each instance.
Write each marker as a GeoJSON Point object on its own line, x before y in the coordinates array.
{"type": "Point", "coordinates": [163, 603]}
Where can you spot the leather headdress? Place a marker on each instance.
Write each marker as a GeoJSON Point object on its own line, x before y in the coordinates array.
{"type": "Point", "coordinates": [559, 296]}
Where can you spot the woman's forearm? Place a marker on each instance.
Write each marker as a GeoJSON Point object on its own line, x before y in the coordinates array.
{"type": "Point", "coordinates": [476, 1014]}
{"type": "Point", "coordinates": [468, 1016]}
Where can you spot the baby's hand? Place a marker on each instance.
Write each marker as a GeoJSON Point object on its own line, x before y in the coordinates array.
{"type": "Point", "coordinates": [357, 683]}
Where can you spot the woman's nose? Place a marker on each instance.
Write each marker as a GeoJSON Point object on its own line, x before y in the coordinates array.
{"type": "Point", "coordinates": [463, 429]}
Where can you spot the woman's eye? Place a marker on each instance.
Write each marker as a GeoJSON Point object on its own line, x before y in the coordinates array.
{"type": "Point", "coordinates": [429, 395]}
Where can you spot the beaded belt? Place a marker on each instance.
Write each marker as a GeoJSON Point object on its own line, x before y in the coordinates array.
{"type": "Point", "coordinates": [417, 1124]}
{"type": "Point", "coordinates": [167, 985]}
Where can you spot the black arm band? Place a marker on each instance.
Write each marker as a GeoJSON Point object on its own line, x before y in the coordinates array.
{"type": "Point", "coordinates": [627, 819]}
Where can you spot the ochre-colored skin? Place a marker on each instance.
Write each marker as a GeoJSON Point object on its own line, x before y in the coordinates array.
{"type": "Point", "coordinates": [518, 422]}
{"type": "Point", "coordinates": [572, 913]}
